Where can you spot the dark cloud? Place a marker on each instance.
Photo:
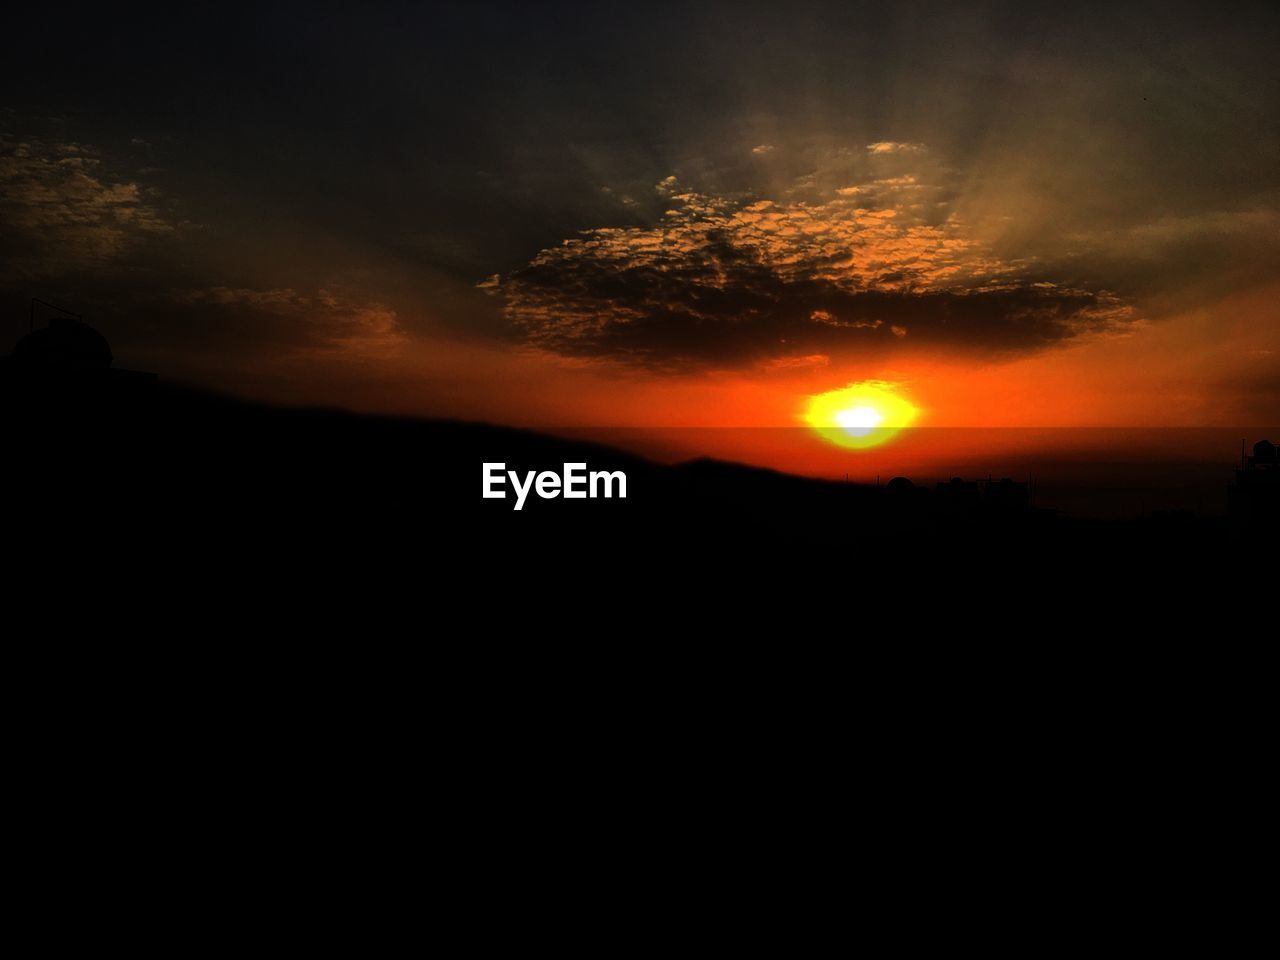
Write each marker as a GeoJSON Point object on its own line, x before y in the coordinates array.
{"type": "Point", "coordinates": [874, 266]}
{"type": "Point", "coordinates": [65, 210]}
{"type": "Point", "coordinates": [290, 322]}
{"type": "Point", "coordinates": [88, 225]}
{"type": "Point", "coordinates": [402, 153]}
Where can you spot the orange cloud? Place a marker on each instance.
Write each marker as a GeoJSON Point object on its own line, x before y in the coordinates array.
{"type": "Point", "coordinates": [720, 280]}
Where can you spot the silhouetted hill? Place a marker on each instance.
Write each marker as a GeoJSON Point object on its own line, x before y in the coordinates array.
{"type": "Point", "coordinates": [120, 456]}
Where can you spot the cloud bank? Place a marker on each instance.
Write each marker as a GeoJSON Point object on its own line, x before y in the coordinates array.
{"type": "Point", "coordinates": [308, 324]}
{"type": "Point", "coordinates": [724, 281]}
{"type": "Point", "coordinates": [63, 210]}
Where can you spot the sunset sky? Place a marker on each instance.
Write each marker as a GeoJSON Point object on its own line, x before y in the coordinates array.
{"type": "Point", "coordinates": [655, 215]}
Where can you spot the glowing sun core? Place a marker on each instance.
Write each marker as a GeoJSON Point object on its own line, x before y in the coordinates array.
{"type": "Point", "coordinates": [859, 415]}
{"type": "Point", "coordinates": [859, 421]}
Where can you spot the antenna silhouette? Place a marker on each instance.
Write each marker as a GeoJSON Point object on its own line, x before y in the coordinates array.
{"type": "Point", "coordinates": [52, 306]}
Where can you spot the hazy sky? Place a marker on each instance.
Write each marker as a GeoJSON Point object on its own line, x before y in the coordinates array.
{"type": "Point", "coordinates": [660, 213]}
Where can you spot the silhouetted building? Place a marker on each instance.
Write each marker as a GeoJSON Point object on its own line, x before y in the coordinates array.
{"type": "Point", "coordinates": [1006, 496]}
{"type": "Point", "coordinates": [65, 358]}
{"type": "Point", "coordinates": [1253, 501]}
{"type": "Point", "coordinates": [66, 344]}
{"type": "Point", "coordinates": [958, 496]}
{"type": "Point", "coordinates": [982, 500]}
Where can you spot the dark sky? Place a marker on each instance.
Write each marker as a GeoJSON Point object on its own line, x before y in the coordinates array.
{"type": "Point", "coordinates": [313, 192]}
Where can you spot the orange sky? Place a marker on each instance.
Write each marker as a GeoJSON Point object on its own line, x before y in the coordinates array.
{"type": "Point", "coordinates": [1021, 217]}
{"type": "Point", "coordinates": [1198, 368]}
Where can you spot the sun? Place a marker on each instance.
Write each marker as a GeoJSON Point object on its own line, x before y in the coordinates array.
{"type": "Point", "coordinates": [859, 421]}
{"type": "Point", "coordinates": [859, 415]}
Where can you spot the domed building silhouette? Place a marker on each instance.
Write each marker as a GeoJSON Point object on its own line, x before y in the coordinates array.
{"type": "Point", "coordinates": [66, 344]}
{"type": "Point", "coordinates": [66, 354]}
{"type": "Point", "coordinates": [1254, 498]}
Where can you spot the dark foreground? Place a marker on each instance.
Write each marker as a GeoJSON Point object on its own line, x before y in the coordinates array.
{"type": "Point", "coordinates": [120, 469]}
{"type": "Point", "coordinates": [332, 589]}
